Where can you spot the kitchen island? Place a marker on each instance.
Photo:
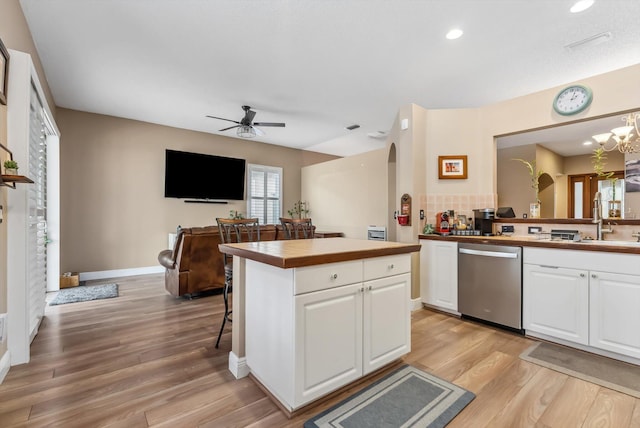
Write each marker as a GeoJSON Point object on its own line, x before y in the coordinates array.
{"type": "Point", "coordinates": [312, 315]}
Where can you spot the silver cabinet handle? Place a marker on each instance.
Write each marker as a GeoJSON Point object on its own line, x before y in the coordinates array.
{"type": "Point", "coordinates": [593, 275]}
{"type": "Point", "coordinates": [334, 276]}
{"type": "Point", "coordinates": [370, 288]}
{"type": "Point", "coordinates": [391, 266]}
{"type": "Point", "coordinates": [582, 275]}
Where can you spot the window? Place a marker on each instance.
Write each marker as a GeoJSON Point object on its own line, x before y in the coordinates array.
{"type": "Point", "coordinates": [265, 193]}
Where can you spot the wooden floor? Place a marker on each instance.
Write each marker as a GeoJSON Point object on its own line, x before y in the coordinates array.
{"type": "Point", "coordinates": [148, 359]}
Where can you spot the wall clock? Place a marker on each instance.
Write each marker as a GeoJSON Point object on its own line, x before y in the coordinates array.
{"type": "Point", "coordinates": [572, 99]}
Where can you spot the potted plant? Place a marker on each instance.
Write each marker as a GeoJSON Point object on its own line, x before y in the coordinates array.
{"type": "Point", "coordinates": [534, 208]}
{"type": "Point", "coordinates": [11, 167]}
{"type": "Point", "coordinates": [299, 210]}
{"type": "Point", "coordinates": [235, 215]}
{"type": "Point", "coordinates": [599, 161]}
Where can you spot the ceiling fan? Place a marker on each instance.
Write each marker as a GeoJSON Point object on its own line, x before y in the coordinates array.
{"type": "Point", "coordinates": [246, 126]}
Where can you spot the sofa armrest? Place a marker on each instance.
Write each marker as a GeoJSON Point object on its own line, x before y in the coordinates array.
{"type": "Point", "coordinates": [166, 259]}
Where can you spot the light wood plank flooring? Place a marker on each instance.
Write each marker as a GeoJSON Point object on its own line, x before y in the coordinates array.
{"type": "Point", "coordinates": [148, 359]}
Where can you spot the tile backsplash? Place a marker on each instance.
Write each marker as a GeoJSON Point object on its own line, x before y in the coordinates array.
{"type": "Point", "coordinates": [461, 203]}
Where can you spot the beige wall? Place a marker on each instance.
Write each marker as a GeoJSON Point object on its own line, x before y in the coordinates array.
{"type": "Point", "coordinates": [513, 179]}
{"type": "Point", "coordinates": [113, 211]}
{"type": "Point", "coordinates": [15, 34]}
{"type": "Point", "coordinates": [346, 195]}
{"type": "Point", "coordinates": [553, 195]}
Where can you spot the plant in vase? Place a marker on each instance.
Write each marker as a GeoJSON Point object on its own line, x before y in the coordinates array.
{"type": "Point", "coordinates": [599, 158]}
{"type": "Point", "coordinates": [11, 167]}
{"type": "Point", "coordinates": [299, 210]}
{"type": "Point", "coordinates": [235, 215]}
{"type": "Point", "coordinates": [534, 208]}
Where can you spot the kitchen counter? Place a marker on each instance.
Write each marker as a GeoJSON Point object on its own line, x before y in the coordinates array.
{"type": "Point", "coordinates": [630, 247]}
{"type": "Point", "coordinates": [287, 254]}
{"type": "Point", "coordinates": [293, 255]}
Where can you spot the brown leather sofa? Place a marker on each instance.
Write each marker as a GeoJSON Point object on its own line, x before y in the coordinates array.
{"type": "Point", "coordinates": [195, 264]}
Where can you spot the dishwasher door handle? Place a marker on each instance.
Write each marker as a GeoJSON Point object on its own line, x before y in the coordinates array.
{"type": "Point", "coordinates": [488, 253]}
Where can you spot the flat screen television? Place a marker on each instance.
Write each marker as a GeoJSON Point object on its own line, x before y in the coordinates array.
{"type": "Point", "coordinates": [200, 176]}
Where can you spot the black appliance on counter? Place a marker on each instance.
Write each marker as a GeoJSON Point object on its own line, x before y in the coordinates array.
{"type": "Point", "coordinates": [483, 220]}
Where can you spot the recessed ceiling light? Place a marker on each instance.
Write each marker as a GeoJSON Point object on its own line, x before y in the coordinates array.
{"type": "Point", "coordinates": [587, 143]}
{"type": "Point", "coordinates": [581, 5]}
{"type": "Point", "coordinates": [456, 33]}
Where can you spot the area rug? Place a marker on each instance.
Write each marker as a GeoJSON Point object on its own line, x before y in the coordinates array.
{"type": "Point", "coordinates": [407, 397]}
{"type": "Point", "coordinates": [613, 374]}
{"type": "Point", "coordinates": [85, 293]}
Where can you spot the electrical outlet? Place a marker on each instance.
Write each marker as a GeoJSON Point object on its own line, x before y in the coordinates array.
{"type": "Point", "coordinates": [534, 229]}
{"type": "Point", "coordinates": [421, 214]}
{"type": "Point", "coordinates": [508, 229]}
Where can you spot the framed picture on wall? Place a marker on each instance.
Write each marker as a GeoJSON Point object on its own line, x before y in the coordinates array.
{"type": "Point", "coordinates": [452, 167]}
{"type": "Point", "coordinates": [4, 72]}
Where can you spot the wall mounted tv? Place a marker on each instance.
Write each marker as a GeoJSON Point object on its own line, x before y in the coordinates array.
{"type": "Point", "coordinates": [200, 176]}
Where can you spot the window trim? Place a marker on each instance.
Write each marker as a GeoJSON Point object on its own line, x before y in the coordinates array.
{"type": "Point", "coordinates": [264, 169]}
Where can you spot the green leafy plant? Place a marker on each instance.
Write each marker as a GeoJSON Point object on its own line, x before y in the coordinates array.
{"type": "Point", "coordinates": [10, 164]}
{"type": "Point", "coordinates": [599, 160]}
{"type": "Point", "coordinates": [299, 210]}
{"type": "Point", "coordinates": [236, 215]}
{"type": "Point", "coordinates": [534, 174]}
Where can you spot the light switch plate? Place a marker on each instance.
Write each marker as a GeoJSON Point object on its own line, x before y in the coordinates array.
{"type": "Point", "coordinates": [3, 327]}
{"type": "Point", "coordinates": [534, 229]}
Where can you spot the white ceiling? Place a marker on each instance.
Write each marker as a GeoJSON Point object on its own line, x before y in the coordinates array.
{"type": "Point", "coordinates": [317, 65]}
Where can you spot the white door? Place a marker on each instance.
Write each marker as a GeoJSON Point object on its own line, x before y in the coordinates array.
{"type": "Point", "coordinates": [387, 321]}
{"type": "Point", "coordinates": [439, 274]}
{"type": "Point", "coordinates": [615, 313]}
{"type": "Point", "coordinates": [556, 302]}
{"type": "Point", "coordinates": [328, 340]}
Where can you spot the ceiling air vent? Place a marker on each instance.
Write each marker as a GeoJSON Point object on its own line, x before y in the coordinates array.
{"type": "Point", "coordinates": [352, 127]}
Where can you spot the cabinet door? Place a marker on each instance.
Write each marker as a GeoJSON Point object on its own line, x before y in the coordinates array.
{"type": "Point", "coordinates": [387, 321]}
{"type": "Point", "coordinates": [328, 341]}
{"type": "Point", "coordinates": [615, 312]}
{"type": "Point", "coordinates": [556, 302]}
{"type": "Point", "coordinates": [439, 274]}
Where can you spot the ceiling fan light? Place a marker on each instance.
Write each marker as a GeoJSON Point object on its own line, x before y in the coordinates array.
{"type": "Point", "coordinates": [245, 131]}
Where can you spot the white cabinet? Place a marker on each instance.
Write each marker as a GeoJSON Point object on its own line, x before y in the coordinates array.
{"type": "Point", "coordinates": [439, 274]}
{"type": "Point", "coordinates": [387, 321]}
{"type": "Point", "coordinates": [582, 301]}
{"type": "Point", "coordinates": [556, 302]}
{"type": "Point", "coordinates": [313, 329]}
{"type": "Point", "coordinates": [615, 312]}
{"type": "Point", "coordinates": [328, 340]}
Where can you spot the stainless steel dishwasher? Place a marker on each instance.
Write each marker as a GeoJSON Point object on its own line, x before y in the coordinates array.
{"type": "Point", "coordinates": [490, 283]}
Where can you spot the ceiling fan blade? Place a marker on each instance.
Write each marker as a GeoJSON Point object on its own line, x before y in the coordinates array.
{"type": "Point", "coordinates": [222, 118]}
{"type": "Point", "coordinates": [259, 132]}
{"type": "Point", "coordinates": [281, 125]}
{"type": "Point", "coordinates": [231, 127]}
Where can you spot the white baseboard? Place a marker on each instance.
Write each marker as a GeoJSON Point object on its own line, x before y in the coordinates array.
{"type": "Point", "coordinates": [238, 366]}
{"type": "Point", "coordinates": [103, 274]}
{"type": "Point", "coordinates": [5, 365]}
{"type": "Point", "coordinates": [416, 304]}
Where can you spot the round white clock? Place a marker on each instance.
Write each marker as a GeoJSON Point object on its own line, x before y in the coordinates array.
{"type": "Point", "coordinates": [572, 99]}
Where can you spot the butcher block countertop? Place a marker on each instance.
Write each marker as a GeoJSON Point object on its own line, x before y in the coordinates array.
{"type": "Point", "coordinates": [631, 247]}
{"type": "Point", "coordinates": [293, 253]}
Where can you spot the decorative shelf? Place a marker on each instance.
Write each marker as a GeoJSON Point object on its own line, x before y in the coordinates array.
{"type": "Point", "coordinates": [11, 180]}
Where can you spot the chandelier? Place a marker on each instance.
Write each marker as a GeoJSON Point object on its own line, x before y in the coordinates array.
{"type": "Point", "coordinates": [624, 138]}
{"type": "Point", "coordinates": [246, 131]}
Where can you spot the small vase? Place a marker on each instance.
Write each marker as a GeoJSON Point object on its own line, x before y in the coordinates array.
{"type": "Point", "coordinates": [534, 210]}
{"type": "Point", "coordinates": [11, 171]}
{"type": "Point", "coordinates": [615, 209]}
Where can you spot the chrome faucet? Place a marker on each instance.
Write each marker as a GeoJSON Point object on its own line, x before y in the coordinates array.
{"type": "Point", "coordinates": [597, 217]}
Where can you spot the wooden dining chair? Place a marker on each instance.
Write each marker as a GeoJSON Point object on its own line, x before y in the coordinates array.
{"type": "Point", "coordinates": [297, 228]}
{"type": "Point", "coordinates": [231, 231]}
